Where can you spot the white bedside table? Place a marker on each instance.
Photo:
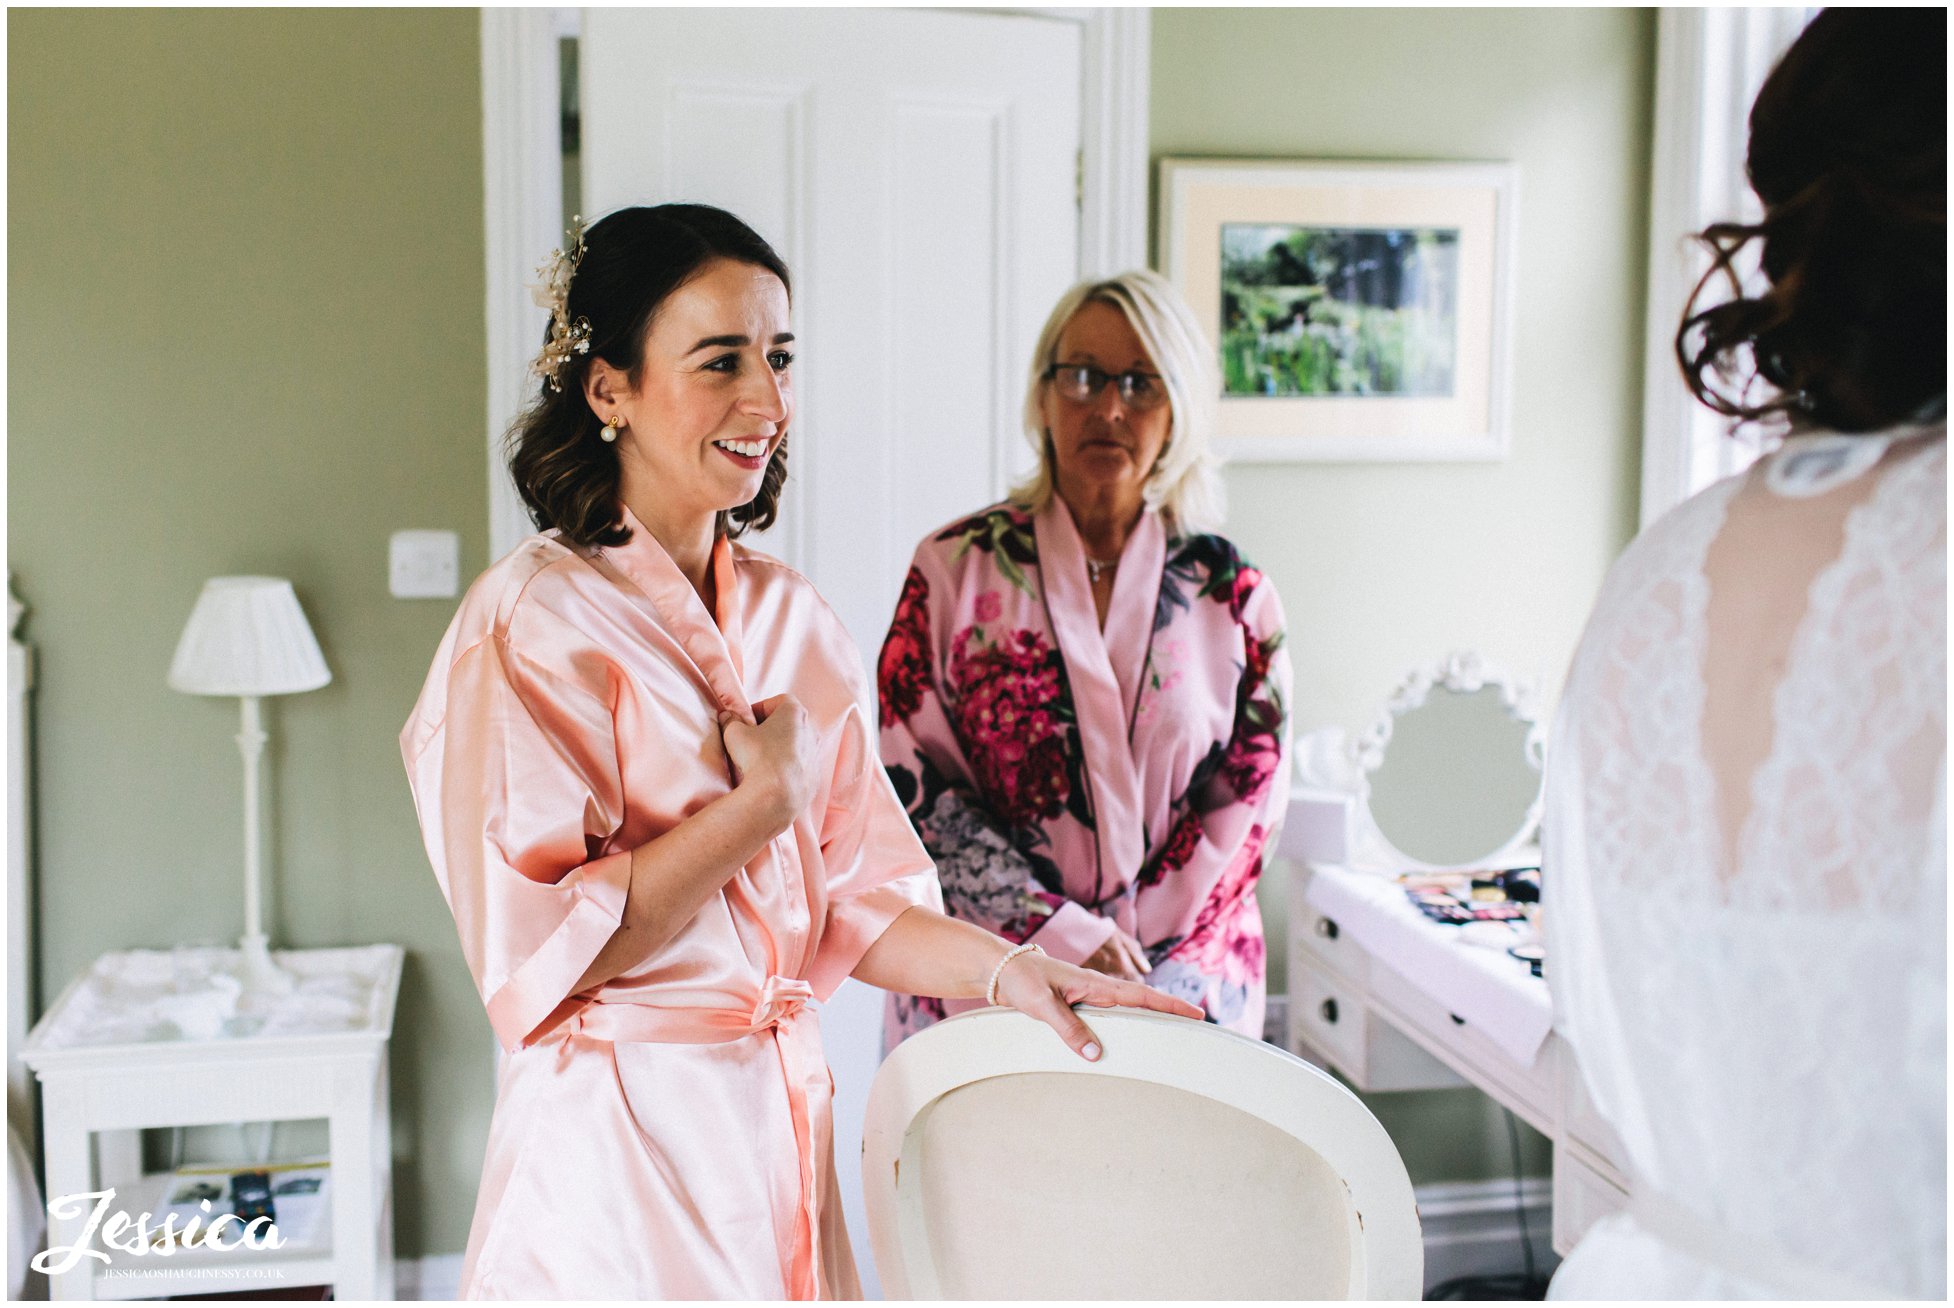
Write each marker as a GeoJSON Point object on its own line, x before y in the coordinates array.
{"type": "Point", "coordinates": [109, 1067]}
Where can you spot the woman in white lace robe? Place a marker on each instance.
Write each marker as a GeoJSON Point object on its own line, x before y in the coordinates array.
{"type": "Point", "coordinates": [1746, 820]}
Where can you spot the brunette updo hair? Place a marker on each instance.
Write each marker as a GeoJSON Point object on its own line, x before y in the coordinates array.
{"type": "Point", "coordinates": [633, 259]}
{"type": "Point", "coordinates": [1848, 152]}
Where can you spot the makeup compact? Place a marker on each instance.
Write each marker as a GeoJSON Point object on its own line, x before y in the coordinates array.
{"type": "Point", "coordinates": [1521, 885]}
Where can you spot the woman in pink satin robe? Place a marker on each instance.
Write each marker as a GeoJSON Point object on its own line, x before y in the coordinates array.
{"type": "Point", "coordinates": [649, 789]}
{"type": "Point", "coordinates": [1082, 692]}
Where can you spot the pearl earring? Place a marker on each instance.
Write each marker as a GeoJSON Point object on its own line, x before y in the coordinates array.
{"type": "Point", "coordinates": [612, 428]}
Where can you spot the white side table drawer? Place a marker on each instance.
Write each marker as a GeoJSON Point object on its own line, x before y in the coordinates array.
{"type": "Point", "coordinates": [1583, 1123]}
{"type": "Point", "coordinates": [1329, 946]}
{"type": "Point", "coordinates": [1329, 1016]}
{"type": "Point", "coordinates": [1583, 1195]}
{"type": "Point", "coordinates": [1529, 1091]}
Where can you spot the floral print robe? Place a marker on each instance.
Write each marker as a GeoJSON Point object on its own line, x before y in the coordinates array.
{"type": "Point", "coordinates": [1066, 779]}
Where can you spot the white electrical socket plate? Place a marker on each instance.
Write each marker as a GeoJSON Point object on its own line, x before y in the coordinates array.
{"type": "Point", "coordinates": [424, 564]}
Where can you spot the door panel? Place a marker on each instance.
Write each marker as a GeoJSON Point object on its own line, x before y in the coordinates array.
{"type": "Point", "coordinates": [917, 172]}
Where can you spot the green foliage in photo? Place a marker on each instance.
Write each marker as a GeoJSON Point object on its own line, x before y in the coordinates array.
{"type": "Point", "coordinates": [1338, 311]}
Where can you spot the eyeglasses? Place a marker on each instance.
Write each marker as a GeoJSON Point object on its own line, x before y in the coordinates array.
{"type": "Point", "coordinates": [1081, 383]}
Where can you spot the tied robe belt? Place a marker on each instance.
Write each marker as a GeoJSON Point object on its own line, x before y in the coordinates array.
{"type": "Point", "coordinates": [782, 1009]}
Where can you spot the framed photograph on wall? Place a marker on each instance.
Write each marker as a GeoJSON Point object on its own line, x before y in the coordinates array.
{"type": "Point", "coordinates": [1358, 311]}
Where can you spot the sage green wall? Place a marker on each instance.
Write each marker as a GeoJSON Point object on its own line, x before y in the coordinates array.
{"type": "Point", "coordinates": [1384, 566]}
{"type": "Point", "coordinates": [246, 335]}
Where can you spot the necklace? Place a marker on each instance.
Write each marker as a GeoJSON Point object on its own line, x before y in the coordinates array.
{"type": "Point", "coordinates": [1100, 567]}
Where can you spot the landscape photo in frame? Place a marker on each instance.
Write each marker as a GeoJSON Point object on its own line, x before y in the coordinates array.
{"type": "Point", "coordinates": [1358, 311]}
{"type": "Point", "coordinates": [1338, 310]}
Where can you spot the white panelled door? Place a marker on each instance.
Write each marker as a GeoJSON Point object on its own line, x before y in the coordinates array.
{"type": "Point", "coordinates": [918, 171]}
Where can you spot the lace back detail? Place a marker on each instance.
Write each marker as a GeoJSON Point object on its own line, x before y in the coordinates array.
{"type": "Point", "coordinates": [1766, 1026]}
{"type": "Point", "coordinates": [1839, 805]}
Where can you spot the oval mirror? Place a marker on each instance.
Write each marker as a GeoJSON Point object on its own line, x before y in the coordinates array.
{"type": "Point", "coordinates": [1454, 770]}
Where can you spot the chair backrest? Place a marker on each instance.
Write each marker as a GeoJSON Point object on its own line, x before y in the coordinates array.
{"type": "Point", "coordinates": [1189, 1162]}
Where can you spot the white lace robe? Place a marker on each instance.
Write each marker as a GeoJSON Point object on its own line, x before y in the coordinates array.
{"type": "Point", "coordinates": [1746, 887]}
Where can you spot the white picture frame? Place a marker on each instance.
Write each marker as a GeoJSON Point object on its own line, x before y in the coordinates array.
{"type": "Point", "coordinates": [1445, 396]}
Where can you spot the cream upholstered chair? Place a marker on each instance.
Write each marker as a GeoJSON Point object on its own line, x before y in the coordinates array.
{"type": "Point", "coordinates": [1187, 1163]}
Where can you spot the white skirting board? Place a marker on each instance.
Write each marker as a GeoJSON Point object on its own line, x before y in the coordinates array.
{"type": "Point", "coordinates": [1470, 1230]}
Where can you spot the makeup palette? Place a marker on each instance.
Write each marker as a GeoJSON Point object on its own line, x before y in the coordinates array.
{"type": "Point", "coordinates": [1441, 907]}
{"type": "Point", "coordinates": [1481, 903]}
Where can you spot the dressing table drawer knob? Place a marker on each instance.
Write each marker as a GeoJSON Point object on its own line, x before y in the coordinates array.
{"type": "Point", "coordinates": [1328, 1010]}
{"type": "Point", "coordinates": [1326, 927]}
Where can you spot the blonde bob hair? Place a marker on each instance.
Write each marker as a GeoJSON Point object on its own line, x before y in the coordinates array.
{"type": "Point", "coordinates": [1184, 483]}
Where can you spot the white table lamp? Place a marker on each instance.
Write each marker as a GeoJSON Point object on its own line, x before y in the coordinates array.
{"type": "Point", "coordinates": [248, 637]}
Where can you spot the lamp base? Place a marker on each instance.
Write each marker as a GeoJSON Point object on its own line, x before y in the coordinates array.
{"type": "Point", "coordinates": [260, 973]}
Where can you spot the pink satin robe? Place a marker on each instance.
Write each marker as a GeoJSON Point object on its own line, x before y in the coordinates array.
{"type": "Point", "coordinates": [667, 1134]}
{"type": "Point", "coordinates": [1067, 779]}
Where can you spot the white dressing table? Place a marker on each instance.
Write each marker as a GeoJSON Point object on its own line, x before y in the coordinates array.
{"type": "Point", "coordinates": [1448, 777]}
{"type": "Point", "coordinates": [1373, 1024]}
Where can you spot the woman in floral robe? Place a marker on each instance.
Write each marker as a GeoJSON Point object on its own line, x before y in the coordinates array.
{"type": "Point", "coordinates": [1083, 694]}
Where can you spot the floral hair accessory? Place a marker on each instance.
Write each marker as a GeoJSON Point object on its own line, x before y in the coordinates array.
{"type": "Point", "coordinates": [552, 292]}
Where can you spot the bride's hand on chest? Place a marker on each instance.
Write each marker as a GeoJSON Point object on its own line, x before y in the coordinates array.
{"type": "Point", "coordinates": [779, 754]}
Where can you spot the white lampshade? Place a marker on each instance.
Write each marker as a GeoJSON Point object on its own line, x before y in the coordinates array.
{"type": "Point", "coordinates": [247, 636]}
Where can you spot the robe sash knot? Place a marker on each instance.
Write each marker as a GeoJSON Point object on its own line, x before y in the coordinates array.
{"type": "Point", "coordinates": [781, 1007]}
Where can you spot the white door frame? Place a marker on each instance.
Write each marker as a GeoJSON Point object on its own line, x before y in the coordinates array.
{"type": "Point", "coordinates": [522, 177]}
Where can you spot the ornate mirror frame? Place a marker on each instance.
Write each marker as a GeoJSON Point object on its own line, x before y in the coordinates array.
{"type": "Point", "coordinates": [1463, 672]}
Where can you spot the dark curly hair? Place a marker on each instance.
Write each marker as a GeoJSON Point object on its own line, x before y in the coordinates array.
{"type": "Point", "coordinates": [1848, 152]}
{"type": "Point", "coordinates": [633, 259]}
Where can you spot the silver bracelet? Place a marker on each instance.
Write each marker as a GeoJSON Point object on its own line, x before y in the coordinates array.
{"type": "Point", "coordinates": [990, 991]}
